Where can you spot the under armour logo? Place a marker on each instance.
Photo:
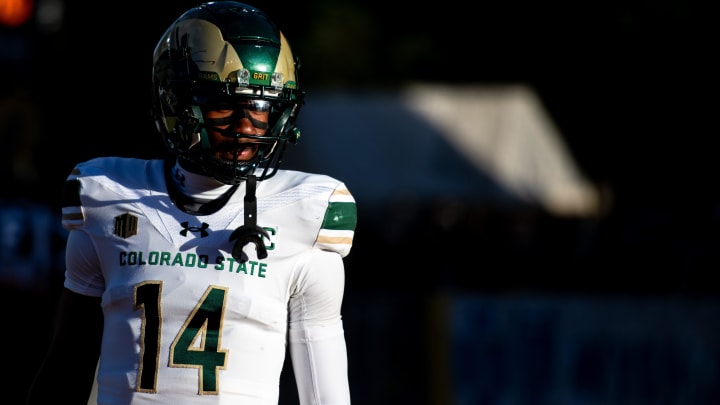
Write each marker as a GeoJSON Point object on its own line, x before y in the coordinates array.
{"type": "Point", "coordinates": [202, 229]}
{"type": "Point", "coordinates": [179, 177]}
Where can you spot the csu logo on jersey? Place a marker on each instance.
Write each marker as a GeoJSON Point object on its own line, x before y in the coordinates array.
{"type": "Point", "coordinates": [126, 225]}
{"type": "Point", "coordinates": [202, 229]}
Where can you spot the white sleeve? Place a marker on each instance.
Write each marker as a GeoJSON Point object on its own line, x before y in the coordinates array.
{"type": "Point", "coordinates": [316, 336]}
{"type": "Point", "coordinates": [82, 265]}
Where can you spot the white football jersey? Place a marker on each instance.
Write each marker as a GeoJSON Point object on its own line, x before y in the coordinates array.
{"type": "Point", "coordinates": [185, 322]}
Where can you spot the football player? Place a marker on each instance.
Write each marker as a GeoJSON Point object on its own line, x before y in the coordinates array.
{"type": "Point", "coordinates": [188, 277]}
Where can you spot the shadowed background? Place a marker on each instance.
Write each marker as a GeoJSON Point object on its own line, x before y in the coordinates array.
{"type": "Point", "coordinates": [463, 287]}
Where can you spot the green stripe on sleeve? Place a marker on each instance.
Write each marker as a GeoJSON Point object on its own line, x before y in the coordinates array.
{"type": "Point", "coordinates": [340, 216]}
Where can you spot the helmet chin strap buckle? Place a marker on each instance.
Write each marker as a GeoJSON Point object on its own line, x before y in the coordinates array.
{"type": "Point", "coordinates": [249, 232]}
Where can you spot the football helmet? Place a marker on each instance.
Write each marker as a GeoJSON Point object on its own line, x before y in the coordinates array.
{"type": "Point", "coordinates": [230, 54]}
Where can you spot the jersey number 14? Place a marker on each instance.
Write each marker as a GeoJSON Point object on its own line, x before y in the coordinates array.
{"type": "Point", "coordinates": [196, 345]}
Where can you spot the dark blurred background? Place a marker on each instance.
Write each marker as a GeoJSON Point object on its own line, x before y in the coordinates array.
{"type": "Point", "coordinates": [452, 297]}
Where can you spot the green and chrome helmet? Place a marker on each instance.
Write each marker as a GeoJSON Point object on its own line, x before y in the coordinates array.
{"type": "Point", "coordinates": [226, 53]}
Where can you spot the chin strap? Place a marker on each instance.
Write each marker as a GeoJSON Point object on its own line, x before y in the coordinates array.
{"type": "Point", "coordinates": [249, 232]}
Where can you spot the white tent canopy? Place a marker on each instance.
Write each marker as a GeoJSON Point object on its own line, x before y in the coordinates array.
{"type": "Point", "coordinates": [483, 143]}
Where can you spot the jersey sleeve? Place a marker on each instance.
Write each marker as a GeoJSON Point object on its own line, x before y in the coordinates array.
{"type": "Point", "coordinates": [82, 265]}
{"type": "Point", "coordinates": [72, 213]}
{"type": "Point", "coordinates": [338, 226]}
{"type": "Point", "coordinates": [316, 336]}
